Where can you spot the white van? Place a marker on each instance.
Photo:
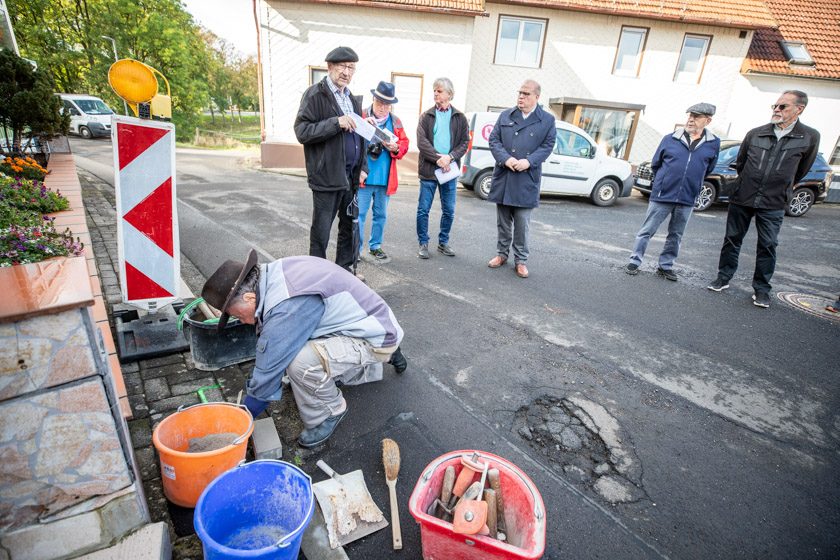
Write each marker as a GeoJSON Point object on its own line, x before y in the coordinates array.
{"type": "Point", "coordinates": [89, 116]}
{"type": "Point", "coordinates": [576, 167]}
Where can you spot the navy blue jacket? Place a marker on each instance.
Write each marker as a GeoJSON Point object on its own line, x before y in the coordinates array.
{"type": "Point", "coordinates": [679, 170]}
{"type": "Point", "coordinates": [532, 139]}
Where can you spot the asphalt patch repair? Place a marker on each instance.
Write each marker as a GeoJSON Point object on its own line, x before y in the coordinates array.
{"type": "Point", "coordinates": [585, 444]}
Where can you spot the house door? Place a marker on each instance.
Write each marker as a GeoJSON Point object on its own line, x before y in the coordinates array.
{"type": "Point", "coordinates": [410, 94]}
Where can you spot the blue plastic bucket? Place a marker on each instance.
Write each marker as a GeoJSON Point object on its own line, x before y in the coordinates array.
{"type": "Point", "coordinates": [255, 510]}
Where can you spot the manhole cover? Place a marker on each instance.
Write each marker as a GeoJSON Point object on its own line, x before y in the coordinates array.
{"type": "Point", "coordinates": [584, 442]}
{"type": "Point", "coordinates": [815, 305]}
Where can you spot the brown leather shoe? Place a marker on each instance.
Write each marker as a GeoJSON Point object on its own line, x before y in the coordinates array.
{"type": "Point", "coordinates": [522, 270]}
{"type": "Point", "coordinates": [497, 261]}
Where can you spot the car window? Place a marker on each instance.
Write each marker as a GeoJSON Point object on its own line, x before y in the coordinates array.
{"type": "Point", "coordinates": [571, 144]}
{"type": "Point", "coordinates": [94, 107]}
{"type": "Point", "coordinates": [728, 154]}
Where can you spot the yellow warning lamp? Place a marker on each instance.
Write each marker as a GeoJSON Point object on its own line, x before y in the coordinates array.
{"type": "Point", "coordinates": [136, 83]}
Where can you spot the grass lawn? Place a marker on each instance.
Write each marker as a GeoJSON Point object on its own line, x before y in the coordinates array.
{"type": "Point", "coordinates": [247, 131]}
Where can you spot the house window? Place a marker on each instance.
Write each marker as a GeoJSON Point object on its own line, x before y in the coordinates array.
{"type": "Point", "coordinates": [316, 74]}
{"type": "Point", "coordinates": [628, 56]}
{"type": "Point", "coordinates": [692, 58]}
{"type": "Point", "coordinates": [835, 154]}
{"type": "Point", "coordinates": [520, 41]}
{"type": "Point", "coordinates": [796, 53]}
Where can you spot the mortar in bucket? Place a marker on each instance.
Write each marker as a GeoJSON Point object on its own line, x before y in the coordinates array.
{"type": "Point", "coordinates": [524, 514]}
{"type": "Point", "coordinates": [257, 510]}
{"type": "Point", "coordinates": [185, 475]}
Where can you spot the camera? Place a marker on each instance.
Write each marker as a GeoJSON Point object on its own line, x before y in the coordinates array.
{"type": "Point", "coordinates": [374, 150]}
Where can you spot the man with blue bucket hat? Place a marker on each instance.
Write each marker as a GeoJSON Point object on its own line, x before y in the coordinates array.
{"type": "Point", "coordinates": [316, 323]}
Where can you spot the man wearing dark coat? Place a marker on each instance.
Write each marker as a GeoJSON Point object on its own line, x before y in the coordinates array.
{"type": "Point", "coordinates": [521, 141]}
{"type": "Point", "coordinates": [335, 156]}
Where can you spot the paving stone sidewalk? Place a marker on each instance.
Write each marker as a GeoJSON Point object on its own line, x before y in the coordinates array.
{"type": "Point", "coordinates": [157, 387]}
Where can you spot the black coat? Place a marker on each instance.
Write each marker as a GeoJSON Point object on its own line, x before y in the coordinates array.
{"type": "Point", "coordinates": [459, 133]}
{"type": "Point", "coordinates": [316, 127]}
{"type": "Point", "coordinates": [532, 139]}
{"type": "Point", "coordinates": [768, 168]}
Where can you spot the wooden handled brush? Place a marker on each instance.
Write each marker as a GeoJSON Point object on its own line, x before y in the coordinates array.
{"type": "Point", "coordinates": [391, 461]}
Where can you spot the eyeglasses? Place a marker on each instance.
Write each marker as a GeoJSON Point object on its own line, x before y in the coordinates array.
{"type": "Point", "coordinates": [346, 68]}
{"type": "Point", "coordinates": [524, 93]}
{"type": "Point", "coordinates": [783, 106]}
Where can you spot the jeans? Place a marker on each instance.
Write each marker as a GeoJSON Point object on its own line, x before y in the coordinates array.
{"type": "Point", "coordinates": [380, 206]}
{"type": "Point", "coordinates": [447, 207]}
{"type": "Point", "coordinates": [518, 219]}
{"type": "Point", "coordinates": [656, 214]}
{"type": "Point", "coordinates": [767, 225]}
{"type": "Point", "coordinates": [325, 206]}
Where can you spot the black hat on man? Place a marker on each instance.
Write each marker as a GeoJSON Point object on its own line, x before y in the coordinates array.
{"type": "Point", "coordinates": [219, 289]}
{"type": "Point", "coordinates": [342, 54]}
{"type": "Point", "coordinates": [702, 109]}
{"type": "Point", "coordinates": [384, 92]}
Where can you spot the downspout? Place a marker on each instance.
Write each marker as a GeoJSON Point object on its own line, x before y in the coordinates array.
{"type": "Point", "coordinates": [259, 73]}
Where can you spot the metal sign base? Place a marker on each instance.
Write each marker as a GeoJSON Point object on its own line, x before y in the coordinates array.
{"type": "Point", "coordinates": [148, 336]}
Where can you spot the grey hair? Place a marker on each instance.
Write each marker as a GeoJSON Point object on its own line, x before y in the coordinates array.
{"type": "Point", "coordinates": [535, 84]}
{"type": "Point", "coordinates": [249, 284]}
{"type": "Point", "coordinates": [446, 84]}
{"type": "Point", "coordinates": [801, 96]}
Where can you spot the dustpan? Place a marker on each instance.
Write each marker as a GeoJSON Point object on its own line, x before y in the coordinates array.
{"type": "Point", "coordinates": [349, 511]}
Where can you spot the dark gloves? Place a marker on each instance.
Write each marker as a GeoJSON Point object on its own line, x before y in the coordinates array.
{"type": "Point", "coordinates": [398, 361]}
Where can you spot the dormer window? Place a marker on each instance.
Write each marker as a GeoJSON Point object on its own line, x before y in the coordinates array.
{"type": "Point", "coordinates": [796, 53]}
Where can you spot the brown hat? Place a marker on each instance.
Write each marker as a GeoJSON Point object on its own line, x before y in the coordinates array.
{"type": "Point", "coordinates": [219, 289]}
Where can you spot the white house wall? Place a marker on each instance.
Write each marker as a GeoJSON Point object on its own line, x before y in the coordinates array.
{"type": "Point", "coordinates": [295, 36]}
{"type": "Point", "coordinates": [578, 60]}
{"type": "Point", "coordinates": [754, 94]}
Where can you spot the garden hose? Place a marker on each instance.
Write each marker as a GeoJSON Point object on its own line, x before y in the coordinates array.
{"type": "Point", "coordinates": [189, 307]}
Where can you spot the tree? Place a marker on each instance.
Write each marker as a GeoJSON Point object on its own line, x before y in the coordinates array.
{"type": "Point", "coordinates": [27, 102]}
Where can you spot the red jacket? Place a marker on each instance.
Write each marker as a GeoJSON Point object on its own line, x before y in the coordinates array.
{"type": "Point", "coordinates": [402, 144]}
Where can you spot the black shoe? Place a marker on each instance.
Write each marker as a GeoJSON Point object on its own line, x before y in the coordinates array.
{"type": "Point", "coordinates": [312, 437]}
{"type": "Point", "coordinates": [423, 253]}
{"type": "Point", "coordinates": [761, 299]}
{"type": "Point", "coordinates": [718, 285]}
{"type": "Point", "coordinates": [379, 254]}
{"type": "Point", "coordinates": [398, 361]}
{"type": "Point", "coordinates": [669, 274]}
{"type": "Point", "coordinates": [446, 250]}
{"type": "Point", "coordinates": [632, 269]}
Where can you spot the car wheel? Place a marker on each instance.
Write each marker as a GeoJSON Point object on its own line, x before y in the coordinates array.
{"type": "Point", "coordinates": [605, 192]}
{"type": "Point", "coordinates": [801, 202]}
{"type": "Point", "coordinates": [84, 132]}
{"type": "Point", "coordinates": [706, 197]}
{"type": "Point", "coordinates": [482, 185]}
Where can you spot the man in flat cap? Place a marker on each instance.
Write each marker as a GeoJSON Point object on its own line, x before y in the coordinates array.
{"type": "Point", "coordinates": [771, 160]}
{"type": "Point", "coordinates": [335, 157]}
{"type": "Point", "coordinates": [317, 324]}
{"type": "Point", "coordinates": [680, 164]}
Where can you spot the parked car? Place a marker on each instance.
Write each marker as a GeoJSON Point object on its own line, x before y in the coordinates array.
{"type": "Point", "coordinates": [718, 185]}
{"type": "Point", "coordinates": [89, 116]}
{"type": "Point", "coordinates": [577, 166]}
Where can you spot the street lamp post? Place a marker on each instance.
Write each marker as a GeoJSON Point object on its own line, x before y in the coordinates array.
{"type": "Point", "coordinates": [114, 46]}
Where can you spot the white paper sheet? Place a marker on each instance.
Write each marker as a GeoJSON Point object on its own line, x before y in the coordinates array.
{"type": "Point", "coordinates": [444, 177]}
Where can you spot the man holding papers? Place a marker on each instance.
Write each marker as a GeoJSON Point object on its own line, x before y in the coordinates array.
{"type": "Point", "coordinates": [442, 138]}
{"type": "Point", "coordinates": [521, 141]}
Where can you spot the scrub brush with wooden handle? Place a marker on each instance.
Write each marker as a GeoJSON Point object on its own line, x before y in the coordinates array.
{"type": "Point", "coordinates": [391, 461]}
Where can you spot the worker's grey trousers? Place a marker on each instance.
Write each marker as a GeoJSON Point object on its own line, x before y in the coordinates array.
{"type": "Point", "coordinates": [520, 219]}
{"type": "Point", "coordinates": [323, 361]}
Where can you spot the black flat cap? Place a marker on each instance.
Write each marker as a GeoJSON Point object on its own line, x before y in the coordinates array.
{"type": "Point", "coordinates": [702, 109]}
{"type": "Point", "coordinates": [342, 54]}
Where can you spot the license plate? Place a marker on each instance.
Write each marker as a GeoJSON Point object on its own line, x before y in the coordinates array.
{"type": "Point", "coordinates": [643, 182]}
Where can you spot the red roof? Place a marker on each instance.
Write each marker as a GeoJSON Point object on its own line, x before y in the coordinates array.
{"type": "Point", "coordinates": [816, 23]}
{"type": "Point", "coordinates": [747, 14]}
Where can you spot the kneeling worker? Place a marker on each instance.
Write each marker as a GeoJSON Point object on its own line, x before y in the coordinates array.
{"type": "Point", "coordinates": [316, 323]}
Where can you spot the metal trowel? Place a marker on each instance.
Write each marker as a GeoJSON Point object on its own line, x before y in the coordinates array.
{"type": "Point", "coordinates": [349, 511]}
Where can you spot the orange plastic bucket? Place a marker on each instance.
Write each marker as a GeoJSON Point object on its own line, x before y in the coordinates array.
{"type": "Point", "coordinates": [186, 475]}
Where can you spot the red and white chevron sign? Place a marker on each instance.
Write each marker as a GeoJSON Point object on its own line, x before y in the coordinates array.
{"type": "Point", "coordinates": [147, 228]}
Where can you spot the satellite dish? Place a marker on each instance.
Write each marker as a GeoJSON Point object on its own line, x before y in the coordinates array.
{"type": "Point", "coordinates": [133, 81]}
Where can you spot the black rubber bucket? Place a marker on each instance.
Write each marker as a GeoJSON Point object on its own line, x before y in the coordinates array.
{"type": "Point", "coordinates": [212, 350]}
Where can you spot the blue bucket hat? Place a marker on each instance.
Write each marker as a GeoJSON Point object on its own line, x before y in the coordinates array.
{"type": "Point", "coordinates": [384, 92]}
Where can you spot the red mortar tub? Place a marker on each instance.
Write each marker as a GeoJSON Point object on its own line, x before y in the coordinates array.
{"type": "Point", "coordinates": [524, 514]}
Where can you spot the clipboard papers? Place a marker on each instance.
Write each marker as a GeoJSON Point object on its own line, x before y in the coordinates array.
{"type": "Point", "coordinates": [372, 133]}
{"type": "Point", "coordinates": [446, 176]}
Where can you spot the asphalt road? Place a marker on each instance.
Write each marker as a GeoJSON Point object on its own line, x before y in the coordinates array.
{"type": "Point", "coordinates": [728, 413]}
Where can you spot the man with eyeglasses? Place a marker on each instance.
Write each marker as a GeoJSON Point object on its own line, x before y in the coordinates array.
{"type": "Point", "coordinates": [521, 141]}
{"type": "Point", "coordinates": [681, 163]}
{"type": "Point", "coordinates": [772, 159]}
{"type": "Point", "coordinates": [335, 157]}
